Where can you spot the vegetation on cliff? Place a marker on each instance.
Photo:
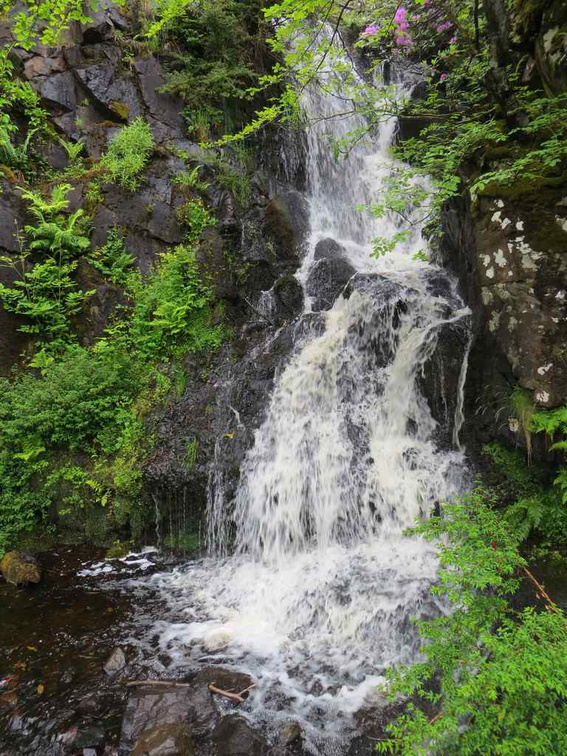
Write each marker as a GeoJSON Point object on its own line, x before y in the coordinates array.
{"type": "Point", "coordinates": [76, 417]}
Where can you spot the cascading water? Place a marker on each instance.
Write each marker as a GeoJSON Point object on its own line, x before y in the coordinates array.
{"type": "Point", "coordinates": [317, 600]}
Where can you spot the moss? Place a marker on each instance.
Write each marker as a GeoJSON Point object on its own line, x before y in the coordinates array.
{"type": "Point", "coordinates": [118, 550]}
{"type": "Point", "coordinates": [18, 569]}
{"type": "Point", "coordinates": [522, 187]}
{"type": "Point", "coordinates": [121, 109]}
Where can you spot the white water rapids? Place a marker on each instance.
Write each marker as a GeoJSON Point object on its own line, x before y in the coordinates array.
{"type": "Point", "coordinates": [316, 601]}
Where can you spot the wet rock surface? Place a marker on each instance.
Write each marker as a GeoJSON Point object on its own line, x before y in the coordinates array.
{"type": "Point", "coordinates": [55, 699]}
{"type": "Point", "coordinates": [115, 662]}
{"type": "Point", "coordinates": [20, 569]}
{"type": "Point", "coordinates": [508, 253]}
{"type": "Point", "coordinates": [327, 280]}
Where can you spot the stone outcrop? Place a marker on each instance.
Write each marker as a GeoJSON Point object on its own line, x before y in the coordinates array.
{"type": "Point", "coordinates": [20, 569]}
{"type": "Point", "coordinates": [509, 254]}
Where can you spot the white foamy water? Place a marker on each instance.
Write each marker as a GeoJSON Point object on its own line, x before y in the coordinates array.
{"type": "Point", "coordinates": [317, 598]}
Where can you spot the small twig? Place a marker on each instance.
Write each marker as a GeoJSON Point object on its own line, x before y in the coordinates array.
{"type": "Point", "coordinates": [220, 692]}
{"type": "Point", "coordinates": [541, 592]}
{"type": "Point", "coordinates": [247, 690]}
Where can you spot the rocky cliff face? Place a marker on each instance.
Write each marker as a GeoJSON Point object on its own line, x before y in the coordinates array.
{"type": "Point", "coordinates": [509, 255]}
{"type": "Point", "coordinates": [91, 86]}
{"type": "Point", "coordinates": [508, 249]}
{"type": "Point", "coordinates": [508, 246]}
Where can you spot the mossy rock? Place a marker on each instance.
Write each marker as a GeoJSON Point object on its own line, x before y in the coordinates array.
{"type": "Point", "coordinates": [165, 739]}
{"type": "Point", "coordinates": [118, 550]}
{"type": "Point", "coordinates": [20, 569]}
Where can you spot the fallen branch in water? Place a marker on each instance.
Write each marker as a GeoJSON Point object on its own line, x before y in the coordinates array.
{"type": "Point", "coordinates": [227, 694]}
{"type": "Point", "coordinates": [247, 690]}
{"type": "Point", "coordinates": [170, 683]}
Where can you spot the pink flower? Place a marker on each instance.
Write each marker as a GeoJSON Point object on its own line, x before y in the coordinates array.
{"type": "Point", "coordinates": [403, 40]}
{"type": "Point", "coordinates": [400, 16]}
{"type": "Point", "coordinates": [403, 26]}
{"type": "Point", "coordinates": [443, 27]}
{"type": "Point", "coordinates": [370, 30]}
{"type": "Point", "coordinates": [442, 77]}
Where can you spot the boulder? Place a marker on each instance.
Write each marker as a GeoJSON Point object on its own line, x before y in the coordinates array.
{"type": "Point", "coordinates": [20, 569]}
{"type": "Point", "coordinates": [327, 279]}
{"type": "Point", "coordinates": [165, 740]}
{"type": "Point", "coordinates": [234, 737]}
{"type": "Point", "coordinates": [115, 662]}
{"type": "Point", "coordinates": [166, 717]}
{"type": "Point", "coordinates": [58, 91]}
{"type": "Point", "coordinates": [291, 732]}
{"type": "Point", "coordinates": [287, 300]}
{"type": "Point", "coordinates": [163, 108]}
{"type": "Point", "coordinates": [117, 95]}
{"type": "Point", "coordinates": [286, 224]}
{"type": "Point", "coordinates": [329, 249]}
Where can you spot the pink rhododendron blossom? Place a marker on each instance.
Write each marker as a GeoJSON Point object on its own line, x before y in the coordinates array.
{"type": "Point", "coordinates": [403, 26]}
{"type": "Point", "coordinates": [370, 30]}
{"type": "Point", "coordinates": [443, 27]}
{"type": "Point", "coordinates": [442, 77]}
{"type": "Point", "coordinates": [403, 40]}
{"type": "Point", "coordinates": [400, 16]}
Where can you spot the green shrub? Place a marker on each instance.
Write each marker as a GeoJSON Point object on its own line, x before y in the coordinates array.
{"type": "Point", "coordinates": [172, 310]}
{"type": "Point", "coordinates": [497, 677]}
{"type": "Point", "coordinates": [67, 406]}
{"type": "Point", "coordinates": [128, 153]}
{"type": "Point", "coordinates": [112, 259]}
{"type": "Point", "coordinates": [45, 292]}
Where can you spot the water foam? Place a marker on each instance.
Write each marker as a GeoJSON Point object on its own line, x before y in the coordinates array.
{"type": "Point", "coordinates": [317, 599]}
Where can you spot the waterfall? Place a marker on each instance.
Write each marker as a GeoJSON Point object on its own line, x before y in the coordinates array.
{"type": "Point", "coordinates": [316, 601]}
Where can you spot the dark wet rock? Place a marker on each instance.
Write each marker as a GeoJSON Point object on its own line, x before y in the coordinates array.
{"type": "Point", "coordinates": [116, 94]}
{"type": "Point", "coordinates": [287, 298]}
{"type": "Point", "coordinates": [260, 276]}
{"type": "Point", "coordinates": [329, 249]}
{"type": "Point", "coordinates": [89, 736]}
{"type": "Point", "coordinates": [148, 215]}
{"type": "Point", "coordinates": [59, 91]}
{"type": "Point", "coordinates": [291, 732]}
{"type": "Point", "coordinates": [103, 23]}
{"type": "Point", "coordinates": [115, 662]}
{"type": "Point", "coordinates": [380, 288]}
{"type": "Point", "coordinates": [164, 109]}
{"type": "Point", "coordinates": [90, 704]}
{"type": "Point", "coordinates": [167, 716]}
{"type": "Point", "coordinates": [509, 253]}
{"type": "Point", "coordinates": [439, 379]}
{"type": "Point", "coordinates": [327, 279]}
{"type": "Point", "coordinates": [286, 224]}
{"type": "Point", "coordinates": [234, 737]}
{"type": "Point", "coordinates": [224, 678]}
{"type": "Point", "coordinates": [214, 265]}
{"type": "Point", "coordinates": [165, 740]}
{"type": "Point", "coordinates": [20, 569]}
{"type": "Point", "coordinates": [10, 217]}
